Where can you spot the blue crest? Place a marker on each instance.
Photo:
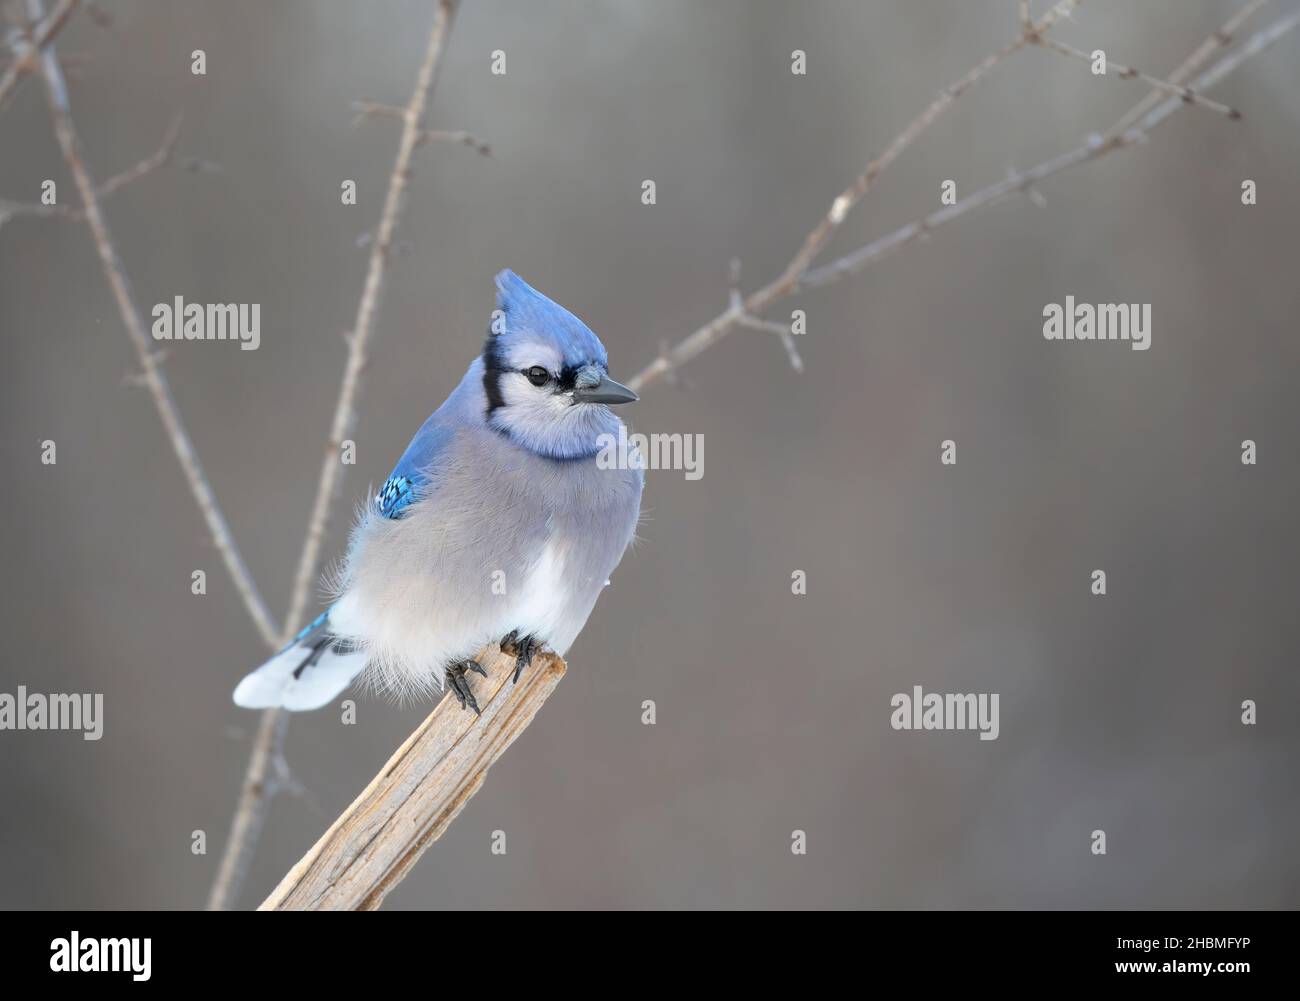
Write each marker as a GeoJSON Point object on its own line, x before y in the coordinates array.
{"type": "Point", "coordinates": [530, 316]}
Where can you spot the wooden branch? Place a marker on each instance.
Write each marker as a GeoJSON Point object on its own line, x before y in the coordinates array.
{"type": "Point", "coordinates": [267, 754]}
{"type": "Point", "coordinates": [416, 796]}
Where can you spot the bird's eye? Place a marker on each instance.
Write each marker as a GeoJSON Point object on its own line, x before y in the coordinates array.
{"type": "Point", "coordinates": [537, 375]}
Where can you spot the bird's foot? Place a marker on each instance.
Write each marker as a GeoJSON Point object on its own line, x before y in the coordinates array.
{"type": "Point", "coordinates": [523, 649]}
{"type": "Point", "coordinates": [460, 684]}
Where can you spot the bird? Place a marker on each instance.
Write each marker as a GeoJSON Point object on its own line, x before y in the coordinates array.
{"type": "Point", "coordinates": [501, 523]}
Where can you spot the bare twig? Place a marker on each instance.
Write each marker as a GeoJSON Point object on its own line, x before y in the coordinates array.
{"type": "Point", "coordinates": [744, 319]}
{"type": "Point", "coordinates": [372, 109]}
{"type": "Point", "coordinates": [1021, 181]}
{"type": "Point", "coordinates": [671, 359]}
{"type": "Point", "coordinates": [1129, 73]}
{"type": "Point", "coordinates": [375, 109]}
{"type": "Point", "coordinates": [367, 310]}
{"type": "Point", "coordinates": [781, 286]}
{"type": "Point", "coordinates": [463, 138]}
{"type": "Point", "coordinates": [65, 131]}
{"type": "Point", "coordinates": [148, 165]}
{"type": "Point", "coordinates": [46, 29]}
{"type": "Point", "coordinates": [256, 793]}
{"type": "Point", "coordinates": [417, 794]}
{"type": "Point", "coordinates": [1191, 64]}
{"type": "Point", "coordinates": [161, 157]}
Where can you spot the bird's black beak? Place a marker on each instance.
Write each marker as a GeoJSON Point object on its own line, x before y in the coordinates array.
{"type": "Point", "coordinates": [605, 391]}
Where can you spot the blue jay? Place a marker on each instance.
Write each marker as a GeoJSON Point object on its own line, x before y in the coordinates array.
{"type": "Point", "coordinates": [498, 524]}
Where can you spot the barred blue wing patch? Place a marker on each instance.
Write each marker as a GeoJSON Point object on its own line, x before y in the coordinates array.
{"type": "Point", "coordinates": [397, 493]}
{"type": "Point", "coordinates": [416, 471]}
{"type": "Point", "coordinates": [312, 627]}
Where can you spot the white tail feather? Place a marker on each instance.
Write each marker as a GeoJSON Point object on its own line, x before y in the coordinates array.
{"type": "Point", "coordinates": [273, 684]}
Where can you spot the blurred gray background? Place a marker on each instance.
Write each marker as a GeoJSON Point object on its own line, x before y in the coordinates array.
{"type": "Point", "coordinates": [1120, 713]}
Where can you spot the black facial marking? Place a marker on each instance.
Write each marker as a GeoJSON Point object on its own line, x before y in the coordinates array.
{"type": "Point", "coordinates": [568, 379]}
{"type": "Point", "coordinates": [493, 367]}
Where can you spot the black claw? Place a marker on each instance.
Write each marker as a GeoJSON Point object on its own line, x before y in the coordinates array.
{"type": "Point", "coordinates": [460, 684]}
{"type": "Point", "coordinates": [524, 656]}
{"type": "Point", "coordinates": [523, 647]}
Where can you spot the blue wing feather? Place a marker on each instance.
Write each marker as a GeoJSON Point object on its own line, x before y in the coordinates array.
{"type": "Point", "coordinates": [397, 494]}
{"type": "Point", "coordinates": [415, 470]}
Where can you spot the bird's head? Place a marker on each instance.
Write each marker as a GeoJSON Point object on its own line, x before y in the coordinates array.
{"type": "Point", "coordinates": [546, 375]}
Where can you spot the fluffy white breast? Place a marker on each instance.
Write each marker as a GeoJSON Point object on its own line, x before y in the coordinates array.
{"type": "Point", "coordinates": [543, 600]}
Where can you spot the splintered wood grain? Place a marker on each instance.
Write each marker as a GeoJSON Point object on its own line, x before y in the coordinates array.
{"type": "Point", "coordinates": [416, 796]}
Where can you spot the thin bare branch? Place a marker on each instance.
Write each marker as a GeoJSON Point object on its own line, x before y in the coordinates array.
{"type": "Point", "coordinates": [152, 375]}
{"type": "Point", "coordinates": [672, 358]}
{"type": "Point", "coordinates": [1191, 64]}
{"type": "Point", "coordinates": [736, 308]}
{"type": "Point", "coordinates": [1129, 73]}
{"type": "Point", "coordinates": [1025, 180]}
{"type": "Point", "coordinates": [46, 29]}
{"type": "Point", "coordinates": [781, 286]}
{"type": "Point", "coordinates": [256, 792]}
{"type": "Point", "coordinates": [373, 109]}
{"type": "Point", "coordinates": [159, 158]}
{"type": "Point", "coordinates": [367, 311]}
{"type": "Point", "coordinates": [783, 335]}
{"type": "Point", "coordinates": [463, 138]}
